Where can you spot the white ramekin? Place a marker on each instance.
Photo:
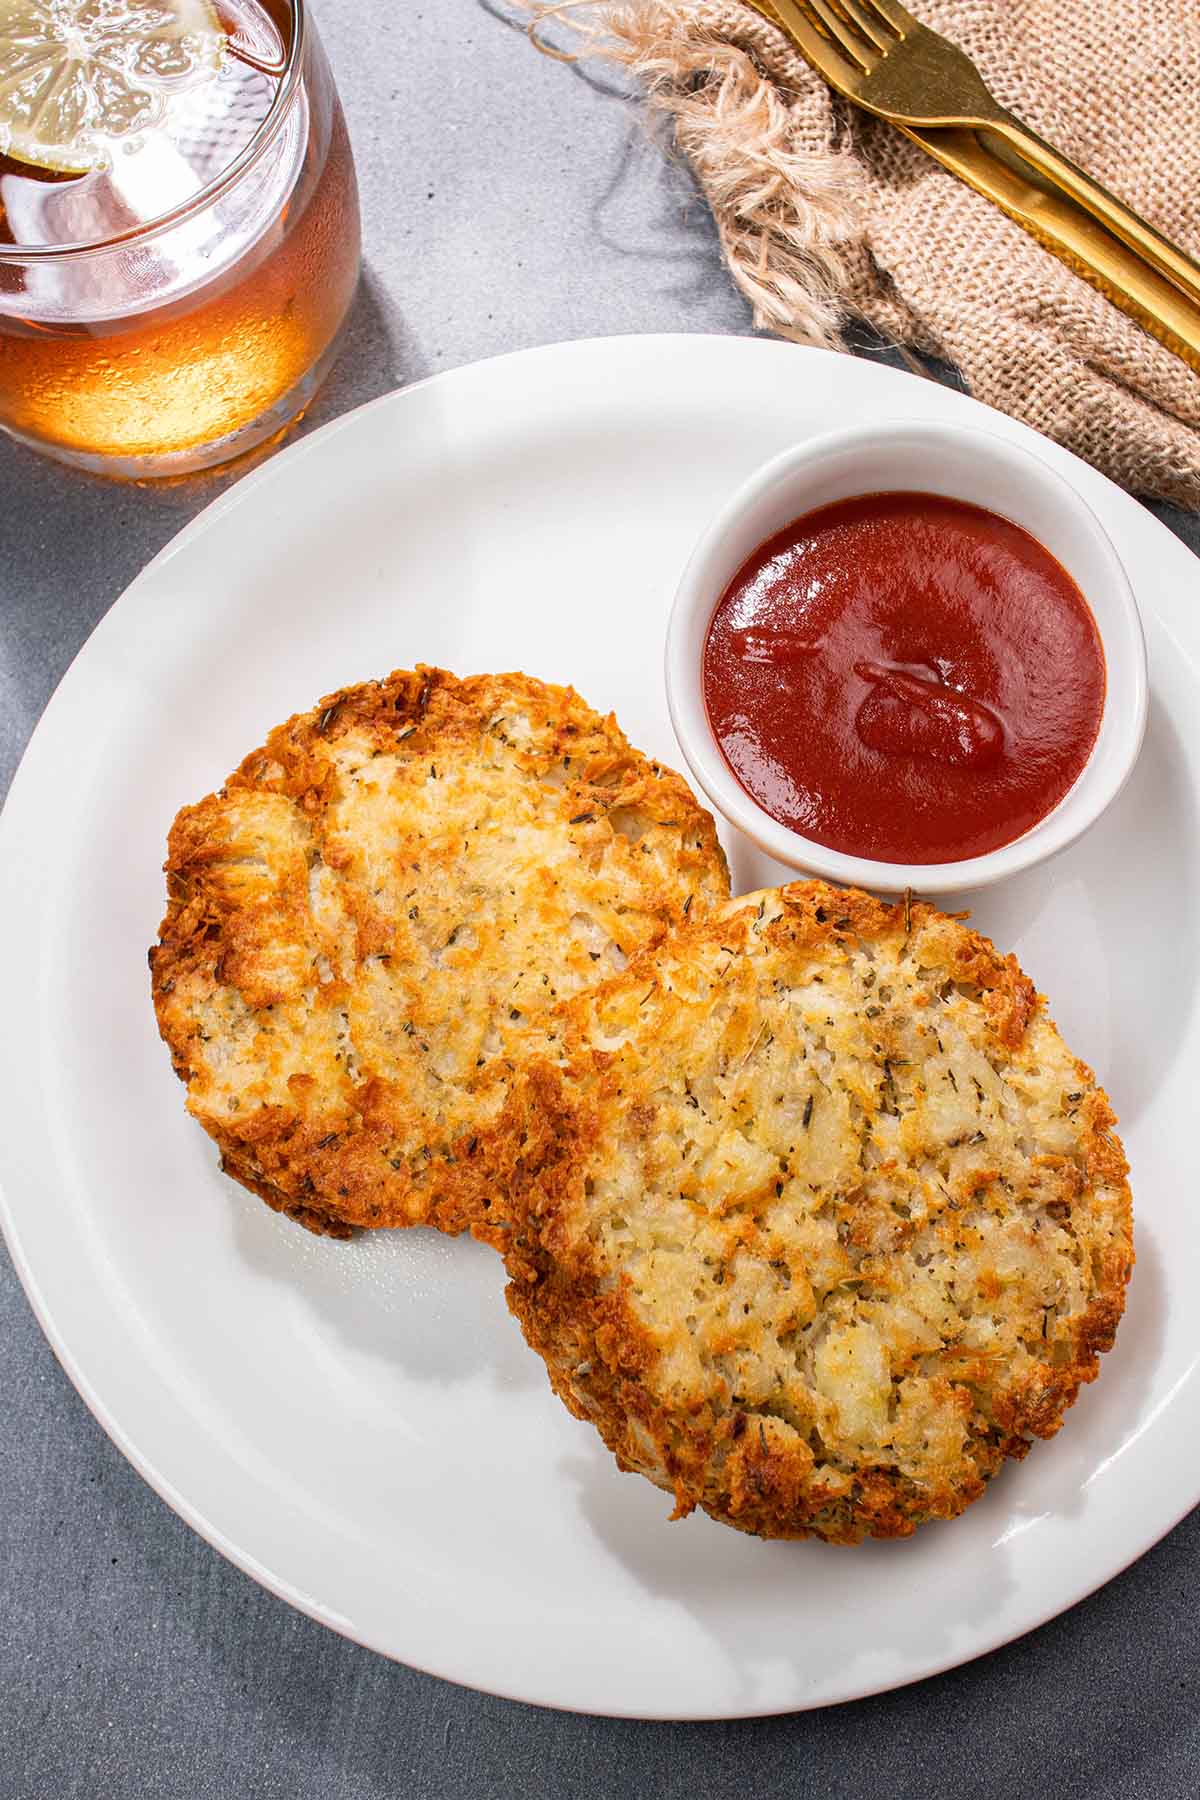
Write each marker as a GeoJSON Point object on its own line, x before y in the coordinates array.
{"type": "Point", "coordinates": [957, 462]}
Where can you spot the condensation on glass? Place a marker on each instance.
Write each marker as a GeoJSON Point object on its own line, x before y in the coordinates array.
{"type": "Point", "coordinates": [180, 306]}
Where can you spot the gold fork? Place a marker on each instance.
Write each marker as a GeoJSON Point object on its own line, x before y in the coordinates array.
{"type": "Point", "coordinates": [1133, 265]}
{"type": "Point", "coordinates": [881, 57]}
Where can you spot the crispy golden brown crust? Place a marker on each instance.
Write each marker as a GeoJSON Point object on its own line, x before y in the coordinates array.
{"type": "Point", "coordinates": [823, 1220]}
{"type": "Point", "coordinates": [377, 901]}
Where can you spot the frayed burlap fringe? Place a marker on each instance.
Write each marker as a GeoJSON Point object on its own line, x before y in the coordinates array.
{"type": "Point", "coordinates": [826, 215]}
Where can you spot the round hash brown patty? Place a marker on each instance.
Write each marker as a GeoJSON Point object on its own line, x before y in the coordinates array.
{"type": "Point", "coordinates": [377, 901]}
{"type": "Point", "coordinates": [823, 1220]}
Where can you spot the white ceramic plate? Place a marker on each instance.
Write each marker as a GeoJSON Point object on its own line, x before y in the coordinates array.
{"type": "Point", "coordinates": [361, 1427]}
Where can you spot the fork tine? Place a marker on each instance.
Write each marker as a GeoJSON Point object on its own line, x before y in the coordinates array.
{"type": "Point", "coordinates": [822, 50]}
{"type": "Point", "coordinates": [849, 39]}
{"type": "Point", "coordinates": [893, 14]}
{"type": "Point", "coordinates": [871, 23]}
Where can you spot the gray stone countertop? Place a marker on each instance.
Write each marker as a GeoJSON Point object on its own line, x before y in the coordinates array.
{"type": "Point", "coordinates": [507, 201]}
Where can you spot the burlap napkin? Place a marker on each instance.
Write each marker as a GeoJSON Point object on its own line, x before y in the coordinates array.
{"type": "Point", "coordinates": [825, 213]}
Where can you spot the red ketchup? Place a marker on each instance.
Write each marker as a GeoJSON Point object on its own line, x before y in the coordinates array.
{"type": "Point", "coordinates": [904, 678]}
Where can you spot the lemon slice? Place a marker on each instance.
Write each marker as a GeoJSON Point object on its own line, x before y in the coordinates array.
{"type": "Point", "coordinates": [76, 74]}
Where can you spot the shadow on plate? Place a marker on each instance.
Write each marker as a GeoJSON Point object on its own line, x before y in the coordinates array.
{"type": "Point", "coordinates": [414, 1300]}
{"type": "Point", "coordinates": [759, 1605]}
{"type": "Point", "coordinates": [1129, 886]}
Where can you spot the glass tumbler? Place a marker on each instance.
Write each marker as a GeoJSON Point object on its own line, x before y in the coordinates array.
{"type": "Point", "coordinates": [182, 305]}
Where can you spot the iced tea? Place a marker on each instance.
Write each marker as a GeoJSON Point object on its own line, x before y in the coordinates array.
{"type": "Point", "coordinates": [180, 304]}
